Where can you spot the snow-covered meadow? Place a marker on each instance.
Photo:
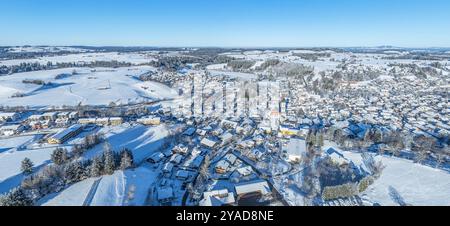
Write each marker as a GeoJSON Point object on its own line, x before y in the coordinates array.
{"type": "Point", "coordinates": [133, 58]}
{"type": "Point", "coordinates": [98, 86]}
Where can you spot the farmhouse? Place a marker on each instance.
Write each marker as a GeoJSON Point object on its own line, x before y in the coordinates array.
{"type": "Point", "coordinates": [208, 143]}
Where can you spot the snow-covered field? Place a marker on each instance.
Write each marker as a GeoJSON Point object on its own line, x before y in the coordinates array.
{"type": "Point", "coordinates": [141, 140]}
{"type": "Point", "coordinates": [134, 58]}
{"type": "Point", "coordinates": [416, 184]}
{"type": "Point", "coordinates": [11, 158]}
{"type": "Point", "coordinates": [401, 182]}
{"type": "Point", "coordinates": [74, 195]}
{"type": "Point", "coordinates": [93, 87]}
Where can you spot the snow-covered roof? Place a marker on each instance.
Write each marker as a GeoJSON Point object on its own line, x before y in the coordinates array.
{"type": "Point", "coordinates": [226, 136]}
{"type": "Point", "coordinates": [245, 171]}
{"type": "Point", "coordinates": [61, 135]}
{"type": "Point", "coordinates": [253, 186]}
{"type": "Point", "coordinates": [164, 193]}
{"type": "Point", "coordinates": [182, 174]}
{"type": "Point", "coordinates": [207, 142]}
{"type": "Point", "coordinates": [7, 114]}
{"type": "Point", "coordinates": [296, 146]}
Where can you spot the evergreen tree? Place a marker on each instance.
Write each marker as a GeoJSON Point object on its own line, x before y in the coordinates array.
{"type": "Point", "coordinates": [60, 156]}
{"type": "Point", "coordinates": [27, 166]}
{"type": "Point", "coordinates": [77, 150]}
{"type": "Point", "coordinates": [96, 168]}
{"type": "Point", "coordinates": [74, 172]}
{"type": "Point", "coordinates": [110, 163]}
{"type": "Point", "coordinates": [16, 197]}
{"type": "Point", "coordinates": [126, 159]}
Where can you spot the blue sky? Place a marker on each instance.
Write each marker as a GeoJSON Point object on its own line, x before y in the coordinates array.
{"type": "Point", "coordinates": [226, 23]}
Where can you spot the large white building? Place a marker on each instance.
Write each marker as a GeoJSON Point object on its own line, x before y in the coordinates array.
{"type": "Point", "coordinates": [295, 149]}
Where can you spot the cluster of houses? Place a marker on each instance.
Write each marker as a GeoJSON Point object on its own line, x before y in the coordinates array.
{"type": "Point", "coordinates": [411, 105]}
{"type": "Point", "coordinates": [49, 119]}
{"type": "Point", "coordinates": [105, 121]}
{"type": "Point", "coordinates": [16, 123]}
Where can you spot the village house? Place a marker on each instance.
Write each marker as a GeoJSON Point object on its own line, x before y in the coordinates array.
{"type": "Point", "coordinates": [149, 120]}
{"type": "Point", "coordinates": [220, 197]}
{"type": "Point", "coordinates": [288, 131]}
{"type": "Point", "coordinates": [115, 121]}
{"type": "Point", "coordinates": [51, 116]}
{"type": "Point", "coordinates": [176, 159]}
{"type": "Point", "coordinates": [167, 168]}
{"type": "Point", "coordinates": [10, 130]}
{"type": "Point", "coordinates": [180, 149]}
{"type": "Point", "coordinates": [63, 115]}
{"type": "Point", "coordinates": [245, 171]}
{"type": "Point", "coordinates": [86, 121]}
{"type": "Point", "coordinates": [189, 131]}
{"type": "Point", "coordinates": [222, 166]}
{"type": "Point", "coordinates": [226, 138]}
{"type": "Point", "coordinates": [182, 175]}
{"type": "Point", "coordinates": [61, 122]}
{"type": "Point", "coordinates": [208, 143]}
{"type": "Point", "coordinates": [34, 118]}
{"type": "Point", "coordinates": [102, 121]}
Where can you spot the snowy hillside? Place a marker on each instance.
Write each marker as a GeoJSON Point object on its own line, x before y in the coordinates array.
{"type": "Point", "coordinates": [98, 86]}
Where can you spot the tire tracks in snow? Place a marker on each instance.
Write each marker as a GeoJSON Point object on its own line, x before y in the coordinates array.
{"type": "Point", "coordinates": [91, 193]}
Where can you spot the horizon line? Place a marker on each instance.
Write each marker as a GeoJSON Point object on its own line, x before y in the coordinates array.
{"type": "Point", "coordinates": [232, 47]}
